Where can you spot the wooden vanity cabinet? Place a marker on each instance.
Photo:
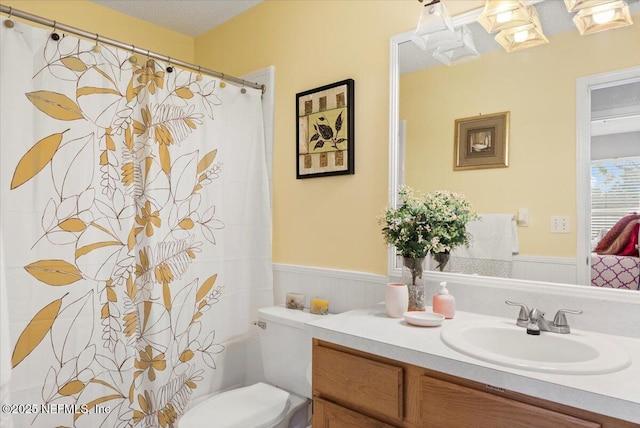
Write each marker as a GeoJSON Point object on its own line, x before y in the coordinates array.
{"type": "Point", "coordinates": [354, 389]}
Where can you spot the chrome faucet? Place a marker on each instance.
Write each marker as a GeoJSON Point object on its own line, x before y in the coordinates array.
{"type": "Point", "coordinates": [535, 322]}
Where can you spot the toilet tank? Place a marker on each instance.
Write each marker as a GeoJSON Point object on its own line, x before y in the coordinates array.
{"type": "Point", "coordinates": [286, 348]}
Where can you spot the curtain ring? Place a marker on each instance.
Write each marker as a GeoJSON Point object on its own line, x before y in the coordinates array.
{"type": "Point", "coordinates": [8, 22]}
{"type": "Point", "coordinates": [169, 67]}
{"type": "Point", "coordinates": [96, 48]}
{"type": "Point", "coordinates": [55, 36]}
{"type": "Point", "coordinates": [243, 90]}
{"type": "Point", "coordinates": [133, 59]}
{"type": "Point", "coordinates": [222, 82]}
{"type": "Point", "coordinates": [199, 76]}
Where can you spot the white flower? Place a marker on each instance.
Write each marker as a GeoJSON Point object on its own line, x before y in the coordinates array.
{"type": "Point", "coordinates": [426, 223]}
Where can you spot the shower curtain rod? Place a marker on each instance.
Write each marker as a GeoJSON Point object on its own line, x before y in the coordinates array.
{"type": "Point", "coordinates": [104, 40]}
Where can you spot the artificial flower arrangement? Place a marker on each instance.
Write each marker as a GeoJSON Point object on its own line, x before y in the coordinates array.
{"type": "Point", "coordinates": [422, 224]}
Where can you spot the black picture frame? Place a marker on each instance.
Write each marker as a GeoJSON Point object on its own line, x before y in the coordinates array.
{"type": "Point", "coordinates": [325, 130]}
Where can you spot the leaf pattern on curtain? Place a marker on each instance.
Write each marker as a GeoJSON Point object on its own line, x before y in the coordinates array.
{"type": "Point", "coordinates": [127, 200]}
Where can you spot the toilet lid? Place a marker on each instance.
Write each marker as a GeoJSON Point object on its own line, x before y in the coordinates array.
{"type": "Point", "coordinates": [257, 406]}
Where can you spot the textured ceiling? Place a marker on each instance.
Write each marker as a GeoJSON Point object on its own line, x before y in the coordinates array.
{"type": "Point", "coordinates": [190, 17]}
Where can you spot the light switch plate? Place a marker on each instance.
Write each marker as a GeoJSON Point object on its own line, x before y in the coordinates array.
{"type": "Point", "coordinates": [560, 224]}
{"type": "Point", "coordinates": [523, 217]}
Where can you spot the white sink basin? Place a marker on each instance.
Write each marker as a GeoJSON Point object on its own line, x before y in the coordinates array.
{"type": "Point", "coordinates": [511, 346]}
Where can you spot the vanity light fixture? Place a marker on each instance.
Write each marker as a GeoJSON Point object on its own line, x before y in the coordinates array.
{"type": "Point", "coordinates": [445, 39]}
{"type": "Point", "coordinates": [435, 31]}
{"type": "Point", "coordinates": [576, 5]}
{"type": "Point", "coordinates": [435, 27]}
{"type": "Point", "coordinates": [524, 36]}
{"type": "Point", "coordinates": [463, 50]}
{"type": "Point", "coordinates": [501, 15]}
{"type": "Point", "coordinates": [596, 15]}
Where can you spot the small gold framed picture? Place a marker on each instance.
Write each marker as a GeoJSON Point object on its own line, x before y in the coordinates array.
{"type": "Point", "coordinates": [482, 142]}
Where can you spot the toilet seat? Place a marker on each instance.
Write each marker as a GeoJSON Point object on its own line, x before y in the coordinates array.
{"type": "Point", "coordinates": [258, 406]}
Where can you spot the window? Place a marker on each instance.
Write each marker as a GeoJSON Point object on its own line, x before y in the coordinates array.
{"type": "Point", "coordinates": [615, 191]}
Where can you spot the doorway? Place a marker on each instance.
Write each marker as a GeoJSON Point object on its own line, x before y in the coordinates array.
{"type": "Point", "coordinates": [607, 132]}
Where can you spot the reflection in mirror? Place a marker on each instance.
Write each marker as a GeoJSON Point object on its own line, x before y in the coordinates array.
{"type": "Point", "coordinates": [608, 171]}
{"type": "Point", "coordinates": [538, 87]}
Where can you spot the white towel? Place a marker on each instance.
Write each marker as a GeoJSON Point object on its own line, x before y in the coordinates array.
{"type": "Point", "coordinates": [5, 343]}
{"type": "Point", "coordinates": [494, 241]}
{"type": "Point", "coordinates": [493, 237]}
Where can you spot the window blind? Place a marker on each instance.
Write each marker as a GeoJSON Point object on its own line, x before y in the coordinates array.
{"type": "Point", "coordinates": [615, 191]}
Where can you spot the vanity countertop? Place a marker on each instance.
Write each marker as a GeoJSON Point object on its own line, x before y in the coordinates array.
{"type": "Point", "coordinates": [370, 330]}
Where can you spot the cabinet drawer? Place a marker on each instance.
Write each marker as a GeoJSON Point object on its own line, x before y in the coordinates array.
{"type": "Point", "coordinates": [449, 405]}
{"type": "Point", "coordinates": [362, 383]}
{"type": "Point", "coordinates": [330, 415]}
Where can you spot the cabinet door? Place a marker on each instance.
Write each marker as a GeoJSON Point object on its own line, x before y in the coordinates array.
{"type": "Point", "coordinates": [447, 405]}
{"type": "Point", "coordinates": [366, 385]}
{"type": "Point", "coordinates": [329, 415]}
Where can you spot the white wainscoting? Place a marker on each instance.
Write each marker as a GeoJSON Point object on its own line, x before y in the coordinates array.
{"type": "Point", "coordinates": [349, 289]}
{"type": "Point", "coordinates": [547, 269]}
{"type": "Point", "coordinates": [346, 290]}
{"type": "Point", "coordinates": [605, 310]}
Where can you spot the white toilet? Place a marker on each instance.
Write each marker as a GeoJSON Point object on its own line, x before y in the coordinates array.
{"type": "Point", "coordinates": [282, 403]}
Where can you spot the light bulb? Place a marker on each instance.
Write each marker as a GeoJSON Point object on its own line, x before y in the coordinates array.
{"type": "Point", "coordinates": [603, 17]}
{"type": "Point", "coordinates": [521, 36]}
{"type": "Point", "coordinates": [503, 17]}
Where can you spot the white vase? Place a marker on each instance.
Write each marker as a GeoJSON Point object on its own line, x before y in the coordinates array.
{"type": "Point", "coordinates": [396, 299]}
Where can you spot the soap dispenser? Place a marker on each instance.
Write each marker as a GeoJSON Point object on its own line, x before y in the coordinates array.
{"type": "Point", "coordinates": [444, 303]}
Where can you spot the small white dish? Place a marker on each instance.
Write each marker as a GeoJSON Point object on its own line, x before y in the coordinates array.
{"type": "Point", "coordinates": [423, 318]}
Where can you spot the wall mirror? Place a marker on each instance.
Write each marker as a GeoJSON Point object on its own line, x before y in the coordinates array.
{"type": "Point", "coordinates": [546, 90]}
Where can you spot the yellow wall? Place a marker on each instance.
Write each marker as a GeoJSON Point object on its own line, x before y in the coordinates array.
{"type": "Point", "coordinates": [330, 221]}
{"type": "Point", "coordinates": [106, 22]}
{"type": "Point", "coordinates": [537, 86]}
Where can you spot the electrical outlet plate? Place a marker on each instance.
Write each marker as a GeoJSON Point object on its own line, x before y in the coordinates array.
{"type": "Point", "coordinates": [560, 224]}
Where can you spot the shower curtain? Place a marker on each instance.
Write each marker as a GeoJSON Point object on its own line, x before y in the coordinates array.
{"type": "Point", "coordinates": [136, 230]}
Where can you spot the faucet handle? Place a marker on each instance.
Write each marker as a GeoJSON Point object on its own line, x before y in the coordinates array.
{"type": "Point", "coordinates": [523, 316]}
{"type": "Point", "coordinates": [560, 320]}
